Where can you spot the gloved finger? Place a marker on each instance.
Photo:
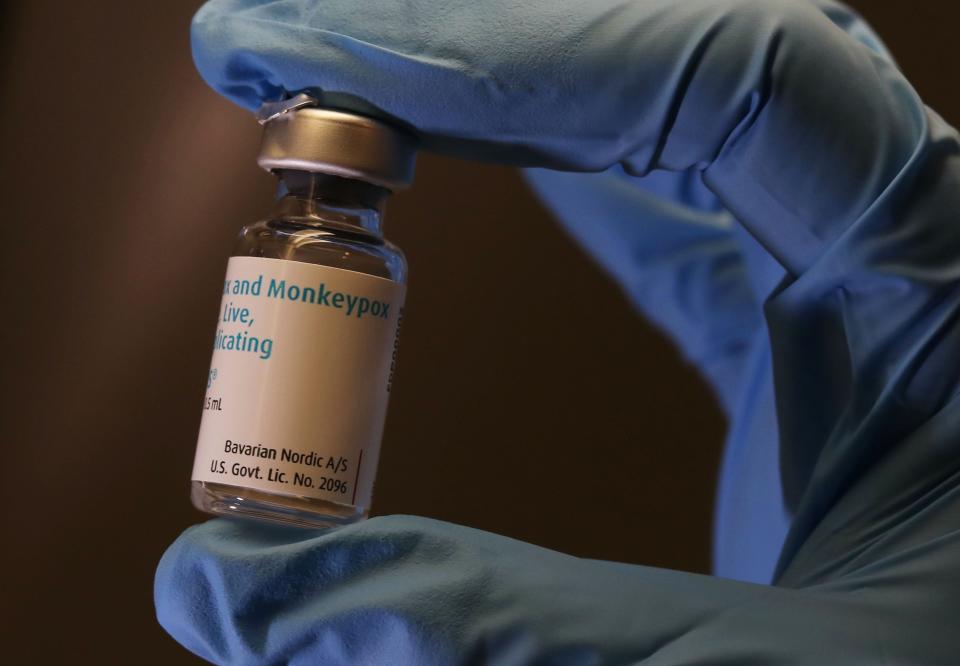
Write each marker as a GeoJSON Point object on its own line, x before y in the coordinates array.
{"type": "Point", "coordinates": [402, 590]}
{"type": "Point", "coordinates": [583, 86]}
{"type": "Point", "coordinates": [677, 253]}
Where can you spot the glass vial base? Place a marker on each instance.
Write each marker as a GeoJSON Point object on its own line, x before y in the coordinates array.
{"type": "Point", "coordinates": [224, 500]}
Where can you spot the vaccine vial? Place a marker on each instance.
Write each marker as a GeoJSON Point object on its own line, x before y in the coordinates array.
{"type": "Point", "coordinates": [306, 336]}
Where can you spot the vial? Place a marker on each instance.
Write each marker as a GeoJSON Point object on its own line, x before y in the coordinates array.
{"type": "Point", "coordinates": [306, 336]}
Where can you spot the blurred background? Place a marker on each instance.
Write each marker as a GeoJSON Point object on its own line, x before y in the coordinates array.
{"type": "Point", "coordinates": [123, 181]}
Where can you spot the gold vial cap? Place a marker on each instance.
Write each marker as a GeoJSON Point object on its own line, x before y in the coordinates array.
{"type": "Point", "coordinates": [297, 135]}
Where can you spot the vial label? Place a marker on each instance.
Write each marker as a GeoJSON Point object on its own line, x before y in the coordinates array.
{"type": "Point", "coordinates": [297, 390]}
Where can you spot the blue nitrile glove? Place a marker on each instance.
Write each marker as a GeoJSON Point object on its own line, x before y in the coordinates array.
{"type": "Point", "coordinates": [843, 464]}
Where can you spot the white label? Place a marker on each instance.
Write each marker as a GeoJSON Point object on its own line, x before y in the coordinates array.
{"type": "Point", "coordinates": [297, 392]}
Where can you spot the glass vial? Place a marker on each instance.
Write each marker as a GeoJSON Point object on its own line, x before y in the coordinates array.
{"type": "Point", "coordinates": [306, 336]}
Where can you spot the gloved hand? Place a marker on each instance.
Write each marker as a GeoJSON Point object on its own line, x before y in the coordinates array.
{"type": "Point", "coordinates": [827, 319]}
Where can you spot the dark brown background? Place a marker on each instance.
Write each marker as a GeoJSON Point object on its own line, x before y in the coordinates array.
{"type": "Point", "coordinates": [122, 183]}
